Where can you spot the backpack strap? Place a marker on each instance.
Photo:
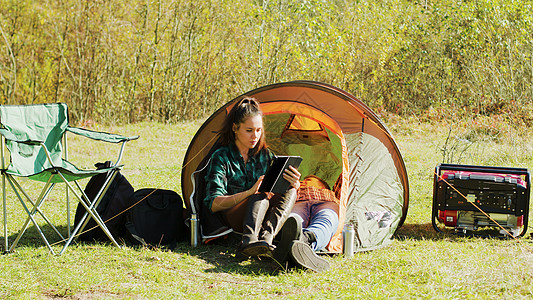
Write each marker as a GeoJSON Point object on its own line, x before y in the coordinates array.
{"type": "Point", "coordinates": [134, 234]}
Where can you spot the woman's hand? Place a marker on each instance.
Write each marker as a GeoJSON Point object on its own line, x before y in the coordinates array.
{"type": "Point", "coordinates": [292, 176]}
{"type": "Point", "coordinates": [257, 184]}
{"type": "Point", "coordinates": [228, 201]}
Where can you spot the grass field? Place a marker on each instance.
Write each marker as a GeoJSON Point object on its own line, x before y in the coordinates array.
{"type": "Point", "coordinates": [419, 264]}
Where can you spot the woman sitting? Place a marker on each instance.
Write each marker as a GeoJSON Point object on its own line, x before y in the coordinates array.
{"type": "Point", "coordinates": [234, 175]}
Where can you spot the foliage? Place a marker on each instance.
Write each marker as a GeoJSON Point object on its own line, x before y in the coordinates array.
{"type": "Point", "coordinates": [169, 60]}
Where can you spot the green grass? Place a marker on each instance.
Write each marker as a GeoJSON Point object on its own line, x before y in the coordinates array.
{"type": "Point", "coordinates": [419, 264]}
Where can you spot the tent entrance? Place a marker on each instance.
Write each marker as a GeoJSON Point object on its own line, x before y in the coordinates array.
{"type": "Point", "coordinates": [320, 148]}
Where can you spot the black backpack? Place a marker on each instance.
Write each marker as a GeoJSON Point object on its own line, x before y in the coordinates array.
{"type": "Point", "coordinates": [117, 199]}
{"type": "Point", "coordinates": [156, 218]}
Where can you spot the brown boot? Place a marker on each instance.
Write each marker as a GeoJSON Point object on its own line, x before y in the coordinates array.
{"type": "Point", "coordinates": [280, 209]}
{"type": "Point", "coordinates": [250, 244]}
{"type": "Point", "coordinates": [291, 230]}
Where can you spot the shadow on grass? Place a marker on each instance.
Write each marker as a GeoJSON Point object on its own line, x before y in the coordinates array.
{"type": "Point", "coordinates": [418, 232]}
{"type": "Point", "coordinates": [224, 258]}
{"type": "Point", "coordinates": [222, 255]}
{"type": "Point", "coordinates": [32, 238]}
{"type": "Point", "coordinates": [427, 232]}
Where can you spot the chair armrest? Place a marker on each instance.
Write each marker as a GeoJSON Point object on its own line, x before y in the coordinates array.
{"type": "Point", "coordinates": [101, 136]}
{"type": "Point", "coordinates": [11, 137]}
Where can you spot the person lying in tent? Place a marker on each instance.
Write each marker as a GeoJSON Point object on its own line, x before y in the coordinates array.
{"type": "Point", "coordinates": [234, 175]}
{"type": "Point", "coordinates": [310, 226]}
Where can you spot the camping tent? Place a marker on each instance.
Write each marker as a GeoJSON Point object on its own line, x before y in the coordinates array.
{"type": "Point", "coordinates": [340, 139]}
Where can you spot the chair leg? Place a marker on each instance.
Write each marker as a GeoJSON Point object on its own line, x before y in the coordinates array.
{"type": "Point", "coordinates": [94, 204]}
{"type": "Point", "coordinates": [37, 209]}
{"type": "Point", "coordinates": [89, 209]}
{"type": "Point", "coordinates": [4, 193]}
{"type": "Point", "coordinates": [98, 198]}
{"type": "Point", "coordinates": [30, 216]}
{"type": "Point", "coordinates": [6, 241]}
{"type": "Point", "coordinates": [65, 156]}
{"type": "Point", "coordinates": [37, 206]}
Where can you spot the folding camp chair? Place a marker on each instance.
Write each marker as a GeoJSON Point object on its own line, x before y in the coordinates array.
{"type": "Point", "coordinates": [33, 134]}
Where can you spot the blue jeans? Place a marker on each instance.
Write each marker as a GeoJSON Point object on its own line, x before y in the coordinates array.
{"type": "Point", "coordinates": [319, 217]}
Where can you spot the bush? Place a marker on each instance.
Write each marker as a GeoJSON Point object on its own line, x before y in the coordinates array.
{"type": "Point", "coordinates": [168, 61]}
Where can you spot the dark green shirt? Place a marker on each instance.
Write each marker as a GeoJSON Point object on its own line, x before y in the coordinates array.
{"type": "Point", "coordinates": [227, 174]}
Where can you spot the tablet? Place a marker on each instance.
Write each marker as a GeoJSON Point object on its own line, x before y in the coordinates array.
{"type": "Point", "coordinates": [274, 181]}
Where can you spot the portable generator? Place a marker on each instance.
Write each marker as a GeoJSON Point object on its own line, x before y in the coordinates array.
{"type": "Point", "coordinates": [469, 198]}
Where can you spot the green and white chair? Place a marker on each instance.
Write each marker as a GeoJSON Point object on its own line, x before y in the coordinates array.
{"type": "Point", "coordinates": [35, 137]}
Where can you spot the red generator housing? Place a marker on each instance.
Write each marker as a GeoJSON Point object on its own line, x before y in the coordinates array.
{"type": "Point", "coordinates": [468, 199]}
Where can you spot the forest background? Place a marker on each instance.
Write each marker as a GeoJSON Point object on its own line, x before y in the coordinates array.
{"type": "Point", "coordinates": [173, 60]}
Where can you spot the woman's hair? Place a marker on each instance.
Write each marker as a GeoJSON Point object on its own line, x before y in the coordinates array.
{"type": "Point", "coordinates": [245, 108]}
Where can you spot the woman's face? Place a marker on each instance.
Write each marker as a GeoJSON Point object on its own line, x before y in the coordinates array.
{"type": "Point", "coordinates": [248, 133]}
